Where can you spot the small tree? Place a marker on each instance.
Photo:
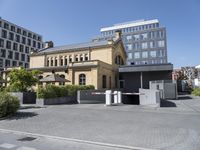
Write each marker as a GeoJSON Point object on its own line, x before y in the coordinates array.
{"type": "Point", "coordinates": [21, 79]}
{"type": "Point", "coordinates": [181, 76]}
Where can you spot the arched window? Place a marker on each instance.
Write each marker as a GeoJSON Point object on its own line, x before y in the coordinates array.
{"type": "Point", "coordinates": [82, 79]}
{"type": "Point", "coordinates": [104, 83]}
{"type": "Point", "coordinates": [81, 57]}
{"type": "Point", "coordinates": [86, 57]}
{"type": "Point", "coordinates": [62, 76]}
{"type": "Point", "coordinates": [76, 58]}
{"type": "Point", "coordinates": [61, 61]}
{"type": "Point", "coordinates": [119, 60]}
{"type": "Point", "coordinates": [47, 62]}
{"type": "Point", "coordinates": [56, 62]}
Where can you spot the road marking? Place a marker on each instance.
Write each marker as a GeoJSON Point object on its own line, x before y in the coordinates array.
{"type": "Point", "coordinates": [7, 145]}
{"type": "Point", "coordinates": [75, 140]}
{"type": "Point", "coordinates": [25, 148]}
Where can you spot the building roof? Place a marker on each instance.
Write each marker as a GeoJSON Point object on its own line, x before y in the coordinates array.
{"type": "Point", "coordinates": [74, 47]}
{"type": "Point", "coordinates": [129, 24]}
{"type": "Point", "coordinates": [54, 78]}
{"type": "Point", "coordinates": [146, 68]}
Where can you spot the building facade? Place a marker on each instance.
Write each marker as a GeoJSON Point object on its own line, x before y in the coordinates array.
{"type": "Point", "coordinates": [144, 41]}
{"type": "Point", "coordinates": [92, 63]}
{"type": "Point", "coordinates": [16, 43]}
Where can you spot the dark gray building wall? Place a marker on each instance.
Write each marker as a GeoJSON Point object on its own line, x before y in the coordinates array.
{"type": "Point", "coordinates": [132, 79]}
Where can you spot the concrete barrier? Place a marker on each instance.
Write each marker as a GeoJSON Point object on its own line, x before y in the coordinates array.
{"type": "Point", "coordinates": [149, 97]}
{"type": "Point", "coordinates": [56, 101]}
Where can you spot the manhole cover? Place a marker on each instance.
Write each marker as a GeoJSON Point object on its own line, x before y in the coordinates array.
{"type": "Point", "coordinates": [27, 139]}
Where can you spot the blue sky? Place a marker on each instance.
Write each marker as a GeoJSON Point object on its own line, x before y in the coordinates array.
{"type": "Point", "coordinates": [72, 21]}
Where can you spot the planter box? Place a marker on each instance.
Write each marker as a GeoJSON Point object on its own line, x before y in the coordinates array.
{"type": "Point", "coordinates": [149, 97]}
{"type": "Point", "coordinates": [25, 97]}
{"type": "Point", "coordinates": [56, 101]}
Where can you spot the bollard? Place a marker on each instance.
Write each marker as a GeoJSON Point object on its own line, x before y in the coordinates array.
{"type": "Point", "coordinates": [108, 97]}
{"type": "Point", "coordinates": [115, 97]}
{"type": "Point", "coordinates": [119, 95]}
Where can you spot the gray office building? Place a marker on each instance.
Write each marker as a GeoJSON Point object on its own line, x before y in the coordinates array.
{"type": "Point", "coordinates": [144, 41]}
{"type": "Point", "coordinates": [16, 43]}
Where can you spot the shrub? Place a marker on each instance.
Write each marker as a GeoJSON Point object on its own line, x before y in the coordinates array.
{"type": "Point", "coordinates": [196, 92]}
{"type": "Point", "coordinates": [52, 91]}
{"type": "Point", "coordinates": [63, 91]}
{"type": "Point", "coordinates": [8, 104]}
{"type": "Point", "coordinates": [46, 92]}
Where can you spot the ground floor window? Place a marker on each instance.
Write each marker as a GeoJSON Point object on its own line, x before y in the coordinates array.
{"type": "Point", "coordinates": [110, 82]}
{"type": "Point", "coordinates": [104, 81]}
{"type": "Point", "coordinates": [82, 79]}
{"type": "Point", "coordinates": [121, 84]}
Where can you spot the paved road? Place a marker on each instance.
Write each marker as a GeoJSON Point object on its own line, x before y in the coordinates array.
{"type": "Point", "coordinates": [21, 141]}
{"type": "Point", "coordinates": [175, 127]}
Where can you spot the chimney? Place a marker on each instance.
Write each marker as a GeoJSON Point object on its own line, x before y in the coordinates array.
{"type": "Point", "coordinates": [118, 34]}
{"type": "Point", "coordinates": [48, 44]}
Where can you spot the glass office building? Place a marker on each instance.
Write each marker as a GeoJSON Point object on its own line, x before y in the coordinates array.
{"type": "Point", "coordinates": [144, 41]}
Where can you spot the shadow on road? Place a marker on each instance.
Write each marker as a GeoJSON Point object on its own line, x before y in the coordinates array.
{"type": "Point", "coordinates": [184, 97]}
{"type": "Point", "coordinates": [30, 107]}
{"type": "Point", "coordinates": [167, 103]}
{"type": "Point", "coordinates": [22, 115]}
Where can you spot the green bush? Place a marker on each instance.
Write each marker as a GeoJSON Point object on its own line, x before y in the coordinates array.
{"type": "Point", "coordinates": [196, 92]}
{"type": "Point", "coordinates": [52, 91]}
{"type": "Point", "coordinates": [8, 104]}
{"type": "Point", "coordinates": [46, 92]}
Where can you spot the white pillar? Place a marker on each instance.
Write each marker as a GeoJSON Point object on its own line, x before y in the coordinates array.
{"type": "Point", "coordinates": [119, 95]}
{"type": "Point", "coordinates": [108, 97]}
{"type": "Point", "coordinates": [115, 97]}
{"type": "Point", "coordinates": [141, 80]}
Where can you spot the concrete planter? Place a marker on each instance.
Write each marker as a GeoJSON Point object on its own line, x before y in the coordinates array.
{"type": "Point", "coordinates": [56, 101]}
{"type": "Point", "coordinates": [25, 97]}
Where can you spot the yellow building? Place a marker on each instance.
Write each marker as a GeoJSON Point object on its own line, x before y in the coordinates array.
{"type": "Point", "coordinates": [93, 63]}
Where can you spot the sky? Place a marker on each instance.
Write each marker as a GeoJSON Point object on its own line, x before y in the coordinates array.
{"type": "Point", "coordinates": [75, 21]}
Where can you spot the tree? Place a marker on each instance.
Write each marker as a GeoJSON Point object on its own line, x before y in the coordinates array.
{"type": "Point", "coordinates": [181, 76]}
{"type": "Point", "coordinates": [21, 79]}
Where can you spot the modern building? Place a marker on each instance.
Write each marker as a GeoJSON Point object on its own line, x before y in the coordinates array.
{"type": "Point", "coordinates": [16, 43]}
{"type": "Point", "coordinates": [92, 63]}
{"type": "Point", "coordinates": [144, 41]}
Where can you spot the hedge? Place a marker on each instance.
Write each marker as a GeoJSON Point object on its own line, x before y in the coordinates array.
{"type": "Point", "coordinates": [196, 92]}
{"type": "Point", "coordinates": [52, 91]}
{"type": "Point", "coordinates": [8, 104]}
